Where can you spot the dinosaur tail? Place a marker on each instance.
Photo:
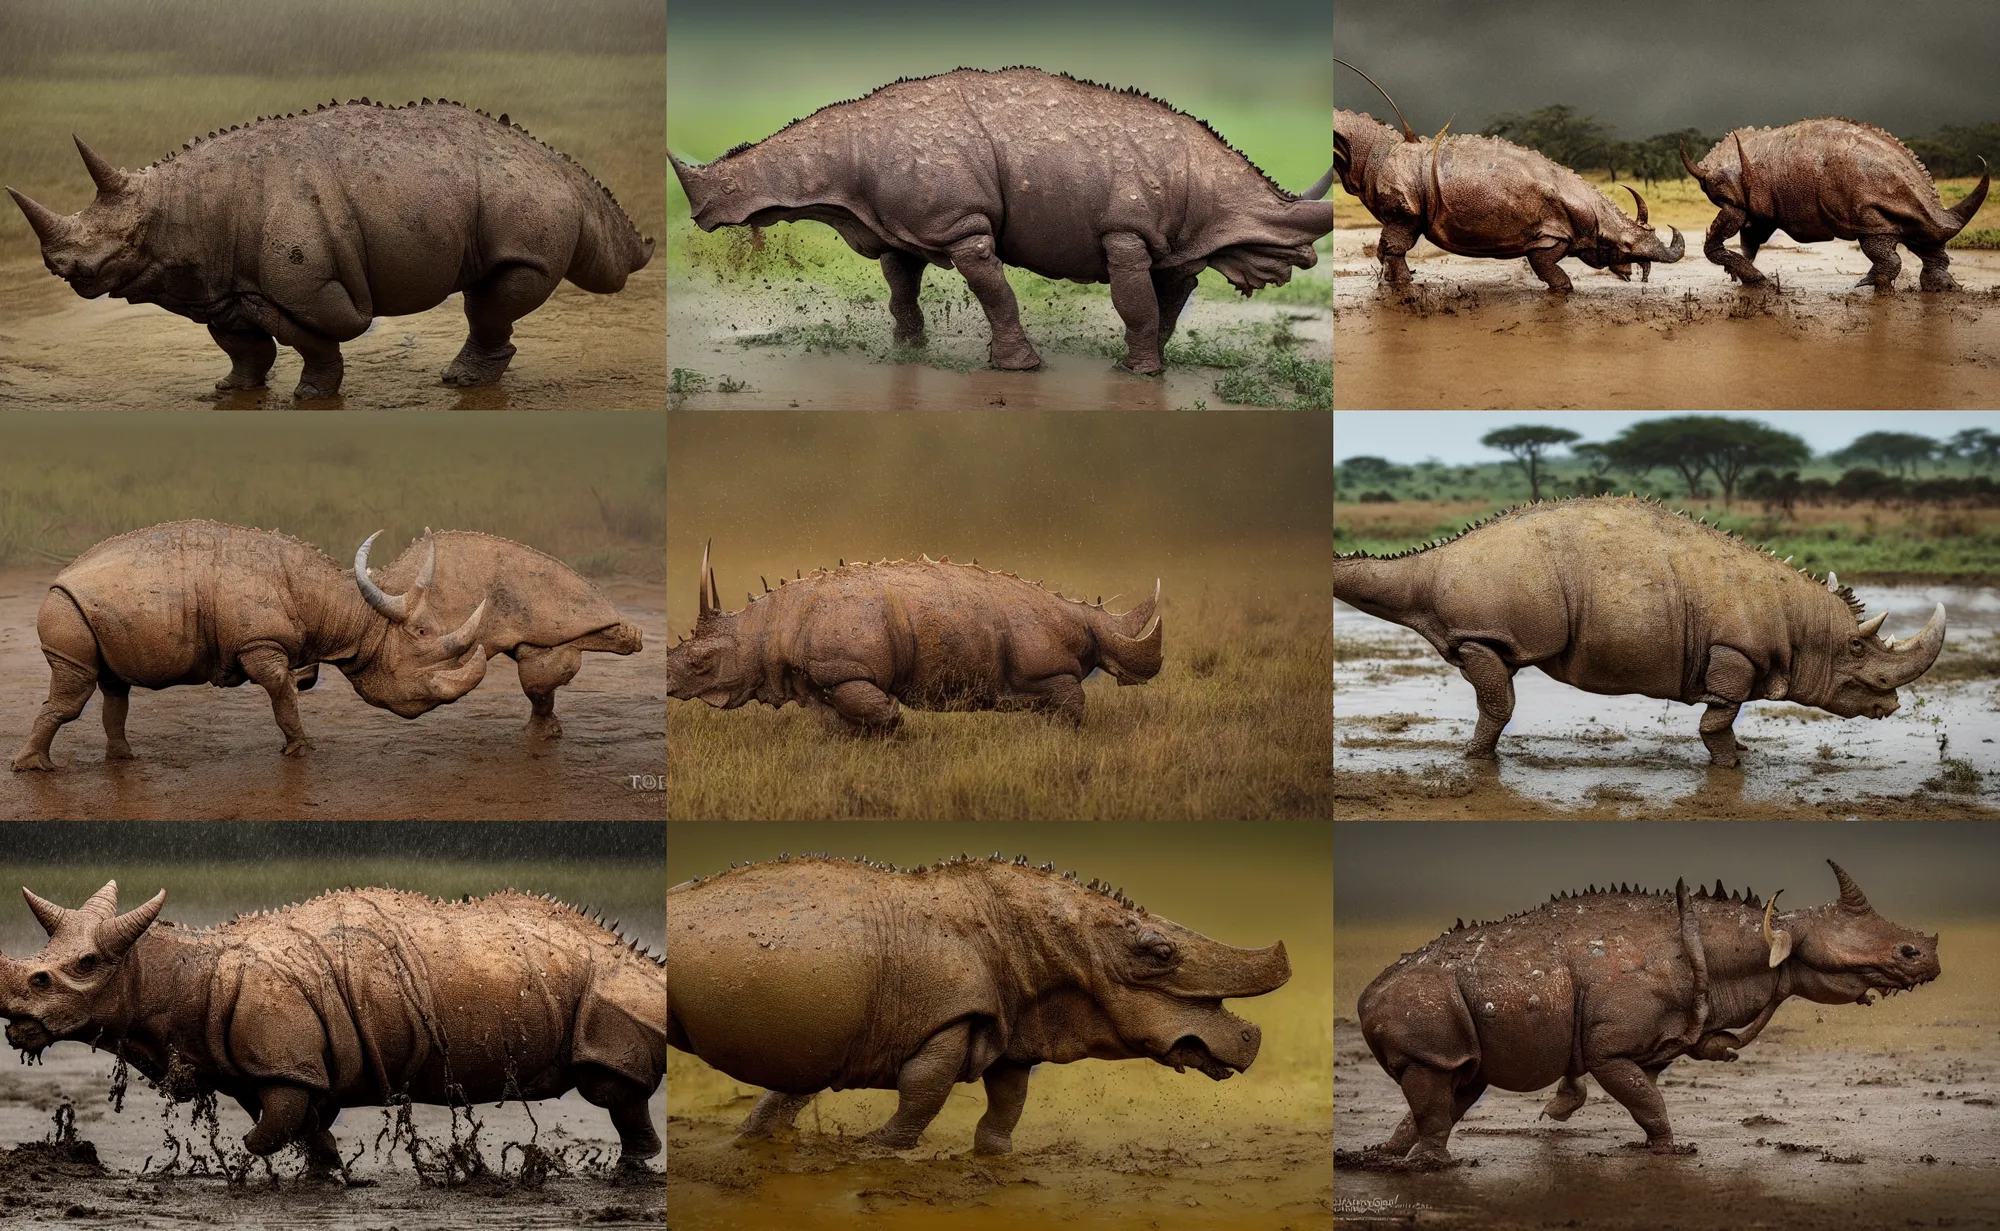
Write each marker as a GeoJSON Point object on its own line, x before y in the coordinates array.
{"type": "Point", "coordinates": [610, 248]}
{"type": "Point", "coordinates": [1962, 212]}
{"type": "Point", "coordinates": [1380, 587]}
{"type": "Point", "coordinates": [1131, 647]}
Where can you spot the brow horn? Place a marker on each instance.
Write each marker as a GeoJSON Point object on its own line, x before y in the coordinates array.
{"type": "Point", "coordinates": [1851, 897]}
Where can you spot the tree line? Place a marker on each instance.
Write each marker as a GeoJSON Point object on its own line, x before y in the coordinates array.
{"type": "Point", "coordinates": [1585, 143]}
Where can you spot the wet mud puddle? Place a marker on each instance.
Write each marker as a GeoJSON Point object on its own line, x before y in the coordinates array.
{"type": "Point", "coordinates": [1400, 709]}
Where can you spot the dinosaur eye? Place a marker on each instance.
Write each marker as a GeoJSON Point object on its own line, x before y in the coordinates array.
{"type": "Point", "coordinates": [86, 963]}
{"type": "Point", "coordinates": [39, 980]}
{"type": "Point", "coordinates": [1857, 646]}
{"type": "Point", "coordinates": [1908, 951]}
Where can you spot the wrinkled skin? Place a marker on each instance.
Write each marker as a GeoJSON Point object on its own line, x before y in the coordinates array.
{"type": "Point", "coordinates": [1829, 179]}
{"type": "Point", "coordinates": [815, 974]}
{"type": "Point", "coordinates": [858, 642]}
{"type": "Point", "coordinates": [1618, 595]}
{"type": "Point", "coordinates": [976, 170]}
{"type": "Point", "coordinates": [354, 999]}
{"type": "Point", "coordinates": [1618, 985]}
{"type": "Point", "coordinates": [1485, 197]}
{"type": "Point", "coordinates": [305, 228]}
{"type": "Point", "coordinates": [201, 602]}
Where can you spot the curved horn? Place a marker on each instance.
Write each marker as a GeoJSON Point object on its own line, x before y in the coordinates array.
{"type": "Point", "coordinates": [1743, 167]}
{"type": "Point", "coordinates": [392, 607]}
{"type": "Point", "coordinates": [464, 637]}
{"type": "Point", "coordinates": [1780, 942]}
{"type": "Point", "coordinates": [1677, 249]}
{"type": "Point", "coordinates": [1868, 628]}
{"type": "Point", "coordinates": [1408, 135]}
{"type": "Point", "coordinates": [1917, 653]}
{"type": "Point", "coordinates": [1851, 897]}
{"type": "Point", "coordinates": [1641, 201]}
{"type": "Point", "coordinates": [46, 913]}
{"type": "Point", "coordinates": [710, 603]}
{"type": "Point", "coordinates": [46, 222]}
{"type": "Point", "coordinates": [110, 180]}
{"type": "Point", "coordinates": [103, 903]}
{"type": "Point", "coordinates": [1691, 168]}
{"type": "Point", "coordinates": [117, 934]}
{"type": "Point", "coordinates": [448, 685]}
{"type": "Point", "coordinates": [1320, 187]}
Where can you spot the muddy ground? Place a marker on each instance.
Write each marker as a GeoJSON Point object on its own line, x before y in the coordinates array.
{"type": "Point", "coordinates": [1837, 1116]}
{"type": "Point", "coordinates": [1402, 716]}
{"type": "Point", "coordinates": [215, 752]}
{"type": "Point", "coordinates": [578, 351]}
{"type": "Point", "coordinates": [142, 1179]}
{"type": "Point", "coordinates": [1485, 334]}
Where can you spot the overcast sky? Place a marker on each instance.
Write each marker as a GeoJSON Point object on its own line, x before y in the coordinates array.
{"type": "Point", "coordinates": [1452, 436]}
{"type": "Point", "coordinates": [1909, 66]}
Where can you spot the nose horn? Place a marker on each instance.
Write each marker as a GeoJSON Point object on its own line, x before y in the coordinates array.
{"type": "Point", "coordinates": [46, 222]}
{"type": "Point", "coordinates": [1915, 656]}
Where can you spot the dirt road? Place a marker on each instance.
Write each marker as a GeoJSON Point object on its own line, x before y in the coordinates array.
{"type": "Point", "coordinates": [1486, 335]}
{"type": "Point", "coordinates": [214, 752]}
{"type": "Point", "coordinates": [578, 351]}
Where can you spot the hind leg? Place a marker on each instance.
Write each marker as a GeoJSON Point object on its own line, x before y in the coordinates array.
{"type": "Point", "coordinates": [1756, 233]}
{"type": "Point", "coordinates": [1881, 253]}
{"type": "Point", "coordinates": [1010, 348]}
{"type": "Point", "coordinates": [71, 650]}
{"type": "Point", "coordinates": [251, 354]}
{"type": "Point", "coordinates": [864, 707]}
{"type": "Point", "coordinates": [905, 275]}
{"type": "Point", "coordinates": [1633, 1087]}
{"type": "Point", "coordinates": [1006, 1094]}
{"type": "Point", "coordinates": [117, 703]}
{"type": "Point", "coordinates": [1138, 304]}
{"type": "Point", "coordinates": [1434, 1110]}
{"type": "Point", "coordinates": [542, 672]}
{"type": "Point", "coordinates": [1059, 696]}
{"type": "Point", "coordinates": [1937, 269]}
{"type": "Point", "coordinates": [491, 308]}
{"type": "Point", "coordinates": [1569, 1096]}
{"type": "Point", "coordinates": [922, 1086]}
{"type": "Point", "coordinates": [1171, 287]}
{"type": "Point", "coordinates": [775, 1111]}
{"type": "Point", "coordinates": [1393, 249]}
{"type": "Point", "coordinates": [625, 1099]}
{"type": "Point", "coordinates": [1492, 681]}
{"type": "Point", "coordinates": [1729, 680]}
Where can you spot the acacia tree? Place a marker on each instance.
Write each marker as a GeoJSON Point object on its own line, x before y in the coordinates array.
{"type": "Point", "coordinates": [1901, 451]}
{"type": "Point", "coordinates": [1976, 445]}
{"type": "Point", "coordinates": [1526, 443]}
{"type": "Point", "coordinates": [1695, 445]}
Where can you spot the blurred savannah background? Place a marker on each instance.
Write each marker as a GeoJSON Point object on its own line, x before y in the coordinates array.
{"type": "Point", "coordinates": [1228, 511]}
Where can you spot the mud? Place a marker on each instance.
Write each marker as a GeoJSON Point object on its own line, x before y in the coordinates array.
{"type": "Point", "coordinates": [127, 1171]}
{"type": "Point", "coordinates": [1485, 334]}
{"type": "Point", "coordinates": [215, 752]}
{"type": "Point", "coordinates": [1836, 1117]}
{"type": "Point", "coordinates": [578, 351]}
{"type": "Point", "coordinates": [1402, 716]}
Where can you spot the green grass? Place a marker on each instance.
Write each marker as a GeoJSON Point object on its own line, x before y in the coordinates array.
{"type": "Point", "coordinates": [1985, 237]}
{"type": "Point", "coordinates": [587, 488]}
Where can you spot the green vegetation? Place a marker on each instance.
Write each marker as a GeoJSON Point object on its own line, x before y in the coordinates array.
{"type": "Point", "coordinates": [585, 487]}
{"type": "Point", "coordinates": [1984, 237]}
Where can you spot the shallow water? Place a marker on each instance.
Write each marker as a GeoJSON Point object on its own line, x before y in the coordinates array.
{"type": "Point", "coordinates": [1409, 711]}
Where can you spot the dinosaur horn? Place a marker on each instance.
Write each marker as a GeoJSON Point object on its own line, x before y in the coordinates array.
{"type": "Point", "coordinates": [1641, 201]}
{"type": "Point", "coordinates": [1916, 654]}
{"type": "Point", "coordinates": [46, 913]}
{"type": "Point", "coordinates": [1780, 942]}
{"type": "Point", "coordinates": [1867, 628]}
{"type": "Point", "coordinates": [103, 903]}
{"type": "Point", "coordinates": [393, 607]}
{"type": "Point", "coordinates": [1691, 168]}
{"type": "Point", "coordinates": [117, 934]}
{"type": "Point", "coordinates": [1743, 165]}
{"type": "Point", "coordinates": [1965, 209]}
{"type": "Point", "coordinates": [1408, 135]}
{"type": "Point", "coordinates": [1851, 897]}
{"type": "Point", "coordinates": [47, 223]}
{"type": "Point", "coordinates": [462, 638]}
{"type": "Point", "coordinates": [1320, 187]}
{"type": "Point", "coordinates": [110, 180]}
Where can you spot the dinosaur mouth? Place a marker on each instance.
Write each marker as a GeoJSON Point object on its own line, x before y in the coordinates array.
{"type": "Point", "coordinates": [1885, 991]}
{"type": "Point", "coordinates": [1191, 1053]}
{"type": "Point", "coordinates": [29, 1035]}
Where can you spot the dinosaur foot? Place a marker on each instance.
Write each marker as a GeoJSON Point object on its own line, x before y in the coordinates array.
{"type": "Point", "coordinates": [1141, 367]}
{"type": "Point", "coordinates": [296, 747]}
{"type": "Point", "coordinates": [475, 365]}
{"type": "Point", "coordinates": [309, 391]}
{"type": "Point", "coordinates": [1943, 282]}
{"type": "Point", "coordinates": [1377, 1159]}
{"type": "Point", "coordinates": [29, 758]}
{"type": "Point", "coordinates": [1014, 357]}
{"type": "Point", "coordinates": [915, 341]}
{"type": "Point", "coordinates": [118, 750]}
{"type": "Point", "coordinates": [239, 380]}
{"type": "Point", "coordinates": [544, 726]}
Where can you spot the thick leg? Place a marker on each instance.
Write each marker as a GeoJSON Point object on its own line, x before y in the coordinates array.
{"type": "Point", "coordinates": [1493, 681]}
{"type": "Point", "coordinates": [491, 308]}
{"type": "Point", "coordinates": [266, 665]}
{"type": "Point", "coordinates": [626, 1101]}
{"type": "Point", "coordinates": [71, 650]}
{"type": "Point", "coordinates": [1397, 240]}
{"type": "Point", "coordinates": [1633, 1087]}
{"type": "Point", "coordinates": [1060, 697]}
{"type": "Point", "coordinates": [1726, 224]}
{"type": "Point", "coordinates": [251, 354]}
{"type": "Point", "coordinates": [282, 1111]}
{"type": "Point", "coordinates": [324, 369]}
{"type": "Point", "coordinates": [776, 1110]}
{"type": "Point", "coordinates": [1756, 233]}
{"type": "Point", "coordinates": [1010, 347]}
{"type": "Point", "coordinates": [117, 703]}
{"type": "Point", "coordinates": [1881, 253]}
{"type": "Point", "coordinates": [1131, 267]}
{"type": "Point", "coordinates": [1937, 269]}
{"type": "Point", "coordinates": [861, 704]}
{"type": "Point", "coordinates": [1401, 1140]}
{"type": "Point", "coordinates": [1729, 680]}
{"type": "Point", "coordinates": [1569, 1096]}
{"type": "Point", "coordinates": [922, 1086]}
{"type": "Point", "coordinates": [1547, 264]}
{"type": "Point", "coordinates": [542, 672]}
{"type": "Point", "coordinates": [905, 276]}
{"type": "Point", "coordinates": [1434, 1104]}
{"type": "Point", "coordinates": [1171, 287]}
{"type": "Point", "coordinates": [1006, 1095]}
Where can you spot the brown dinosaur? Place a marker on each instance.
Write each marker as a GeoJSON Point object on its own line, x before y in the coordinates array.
{"type": "Point", "coordinates": [1487, 197]}
{"type": "Point", "coordinates": [975, 170]}
{"type": "Point", "coordinates": [306, 227]}
{"type": "Point", "coordinates": [203, 602]}
{"type": "Point", "coordinates": [857, 642]}
{"type": "Point", "coordinates": [1614, 594]}
{"type": "Point", "coordinates": [1829, 178]}
{"type": "Point", "coordinates": [357, 998]}
{"type": "Point", "coordinates": [813, 973]}
{"type": "Point", "coordinates": [1616, 983]}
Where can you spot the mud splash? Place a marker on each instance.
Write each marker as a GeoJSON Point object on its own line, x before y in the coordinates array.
{"type": "Point", "coordinates": [209, 752]}
{"type": "Point", "coordinates": [1402, 715]}
{"type": "Point", "coordinates": [1484, 334]}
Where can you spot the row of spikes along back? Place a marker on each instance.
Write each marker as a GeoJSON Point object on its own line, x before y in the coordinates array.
{"type": "Point", "coordinates": [1748, 898]}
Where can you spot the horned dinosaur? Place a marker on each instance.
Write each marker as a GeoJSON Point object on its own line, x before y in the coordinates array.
{"type": "Point", "coordinates": [976, 170]}
{"type": "Point", "coordinates": [1486, 197]}
{"type": "Point", "coordinates": [1616, 983]}
{"type": "Point", "coordinates": [1829, 178]}
{"type": "Point", "coordinates": [856, 642]}
{"type": "Point", "coordinates": [203, 602]}
{"type": "Point", "coordinates": [307, 226]}
{"type": "Point", "coordinates": [812, 973]}
{"type": "Point", "coordinates": [1616, 594]}
{"type": "Point", "coordinates": [356, 998]}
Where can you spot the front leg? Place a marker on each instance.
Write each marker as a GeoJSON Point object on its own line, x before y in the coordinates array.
{"type": "Point", "coordinates": [1729, 680]}
{"type": "Point", "coordinates": [1492, 681]}
{"type": "Point", "coordinates": [1393, 249]}
{"type": "Point", "coordinates": [1006, 1095]}
{"type": "Point", "coordinates": [1633, 1086]}
{"type": "Point", "coordinates": [491, 308]}
{"type": "Point", "coordinates": [1131, 267]}
{"type": "Point", "coordinates": [323, 366]}
{"type": "Point", "coordinates": [904, 272]}
{"type": "Point", "coordinates": [1010, 348]}
{"type": "Point", "coordinates": [923, 1085]}
{"type": "Point", "coordinates": [1937, 269]}
{"type": "Point", "coordinates": [773, 1112]}
{"type": "Point", "coordinates": [864, 708]}
{"type": "Point", "coordinates": [117, 704]}
{"type": "Point", "coordinates": [266, 664]}
{"type": "Point", "coordinates": [1570, 1095]}
{"type": "Point", "coordinates": [1884, 263]}
{"type": "Point", "coordinates": [251, 353]}
{"type": "Point", "coordinates": [1546, 262]}
{"type": "Point", "coordinates": [1059, 696]}
{"type": "Point", "coordinates": [1727, 223]}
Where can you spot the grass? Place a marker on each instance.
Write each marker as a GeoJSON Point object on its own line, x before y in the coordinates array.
{"type": "Point", "coordinates": [587, 488]}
